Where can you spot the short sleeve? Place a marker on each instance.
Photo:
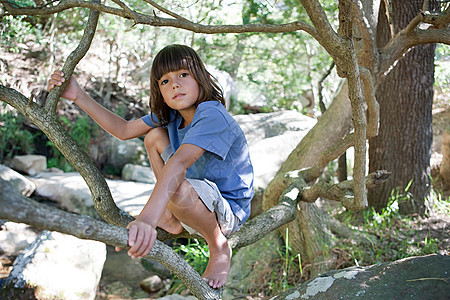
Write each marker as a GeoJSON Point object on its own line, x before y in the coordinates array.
{"type": "Point", "coordinates": [210, 130]}
{"type": "Point", "coordinates": [151, 120]}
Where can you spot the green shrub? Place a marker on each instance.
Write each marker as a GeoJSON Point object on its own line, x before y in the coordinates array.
{"type": "Point", "coordinates": [398, 236]}
{"type": "Point", "coordinates": [14, 139]}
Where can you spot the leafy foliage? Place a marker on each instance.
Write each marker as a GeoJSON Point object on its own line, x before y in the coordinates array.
{"type": "Point", "coordinates": [442, 58]}
{"type": "Point", "coordinates": [15, 139]}
{"type": "Point", "coordinates": [397, 235]}
{"type": "Point", "coordinates": [196, 253]}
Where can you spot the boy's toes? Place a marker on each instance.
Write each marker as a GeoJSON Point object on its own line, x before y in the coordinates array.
{"type": "Point", "coordinates": [215, 284]}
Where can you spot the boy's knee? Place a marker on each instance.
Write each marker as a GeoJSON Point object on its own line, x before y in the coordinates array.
{"type": "Point", "coordinates": [185, 195]}
{"type": "Point", "coordinates": [157, 137]}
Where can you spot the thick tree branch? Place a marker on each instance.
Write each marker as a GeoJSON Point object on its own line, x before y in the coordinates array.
{"type": "Point", "coordinates": [368, 54]}
{"type": "Point", "coordinates": [182, 23]}
{"type": "Point", "coordinates": [73, 59]}
{"type": "Point", "coordinates": [373, 108]}
{"type": "Point", "coordinates": [410, 36]}
{"type": "Point", "coordinates": [17, 208]}
{"type": "Point", "coordinates": [350, 70]}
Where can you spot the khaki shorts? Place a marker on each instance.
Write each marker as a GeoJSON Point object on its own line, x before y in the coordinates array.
{"type": "Point", "coordinates": [210, 195]}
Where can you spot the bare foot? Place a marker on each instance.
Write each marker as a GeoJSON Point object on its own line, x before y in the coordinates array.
{"type": "Point", "coordinates": [170, 223]}
{"type": "Point", "coordinates": [216, 272]}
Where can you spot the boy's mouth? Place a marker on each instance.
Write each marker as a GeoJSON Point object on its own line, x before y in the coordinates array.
{"type": "Point", "coordinates": [178, 95]}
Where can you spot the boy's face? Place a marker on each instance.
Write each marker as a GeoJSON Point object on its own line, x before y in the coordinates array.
{"type": "Point", "coordinates": [180, 90]}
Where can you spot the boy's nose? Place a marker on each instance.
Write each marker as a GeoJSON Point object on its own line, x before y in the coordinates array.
{"type": "Point", "coordinates": [175, 84]}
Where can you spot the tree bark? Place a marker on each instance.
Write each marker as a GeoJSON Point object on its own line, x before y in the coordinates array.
{"type": "Point", "coordinates": [405, 95]}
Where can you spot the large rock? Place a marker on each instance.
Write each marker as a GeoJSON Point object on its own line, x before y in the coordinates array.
{"type": "Point", "coordinates": [15, 237]}
{"type": "Point", "coordinates": [72, 193]}
{"type": "Point", "coordinates": [271, 138]}
{"type": "Point", "coordinates": [424, 277]}
{"type": "Point", "coordinates": [56, 266]}
{"type": "Point", "coordinates": [124, 152]}
{"type": "Point", "coordinates": [22, 184]}
{"type": "Point", "coordinates": [138, 173]}
{"type": "Point", "coordinates": [29, 164]}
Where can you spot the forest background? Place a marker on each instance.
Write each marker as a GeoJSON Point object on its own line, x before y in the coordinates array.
{"type": "Point", "coordinates": [266, 67]}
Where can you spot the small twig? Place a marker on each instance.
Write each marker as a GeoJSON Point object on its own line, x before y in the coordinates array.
{"type": "Point", "coordinates": [430, 278]}
{"type": "Point", "coordinates": [166, 11]}
{"type": "Point", "coordinates": [131, 14]}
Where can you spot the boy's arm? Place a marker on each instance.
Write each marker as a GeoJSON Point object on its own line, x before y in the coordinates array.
{"type": "Point", "coordinates": [112, 123]}
{"type": "Point", "coordinates": [142, 233]}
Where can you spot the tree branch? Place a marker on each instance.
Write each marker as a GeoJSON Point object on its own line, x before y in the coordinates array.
{"type": "Point", "coordinates": [179, 22]}
{"type": "Point", "coordinates": [342, 191]}
{"type": "Point", "coordinates": [412, 36]}
{"type": "Point", "coordinates": [350, 70]}
{"type": "Point", "coordinates": [17, 208]}
{"type": "Point", "coordinates": [271, 219]}
{"type": "Point", "coordinates": [298, 190]}
{"type": "Point", "coordinates": [128, 12]}
{"type": "Point", "coordinates": [373, 108]}
{"type": "Point", "coordinates": [73, 59]}
{"type": "Point", "coordinates": [329, 39]}
{"type": "Point", "coordinates": [368, 54]}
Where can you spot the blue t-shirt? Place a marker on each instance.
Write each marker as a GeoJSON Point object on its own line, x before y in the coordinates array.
{"type": "Point", "coordinates": [226, 161]}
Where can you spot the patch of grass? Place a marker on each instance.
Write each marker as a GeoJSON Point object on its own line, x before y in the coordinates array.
{"type": "Point", "coordinates": [398, 236]}
{"type": "Point", "coordinates": [272, 276]}
{"type": "Point", "coordinates": [196, 253]}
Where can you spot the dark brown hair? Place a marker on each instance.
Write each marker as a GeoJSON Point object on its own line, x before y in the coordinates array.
{"type": "Point", "coordinates": [173, 58]}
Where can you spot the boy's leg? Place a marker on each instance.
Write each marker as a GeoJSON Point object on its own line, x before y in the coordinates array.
{"type": "Point", "coordinates": [190, 209]}
{"type": "Point", "coordinates": [156, 141]}
{"type": "Point", "coordinates": [199, 217]}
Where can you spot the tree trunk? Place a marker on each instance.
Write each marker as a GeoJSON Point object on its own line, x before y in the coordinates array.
{"type": "Point", "coordinates": [403, 144]}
